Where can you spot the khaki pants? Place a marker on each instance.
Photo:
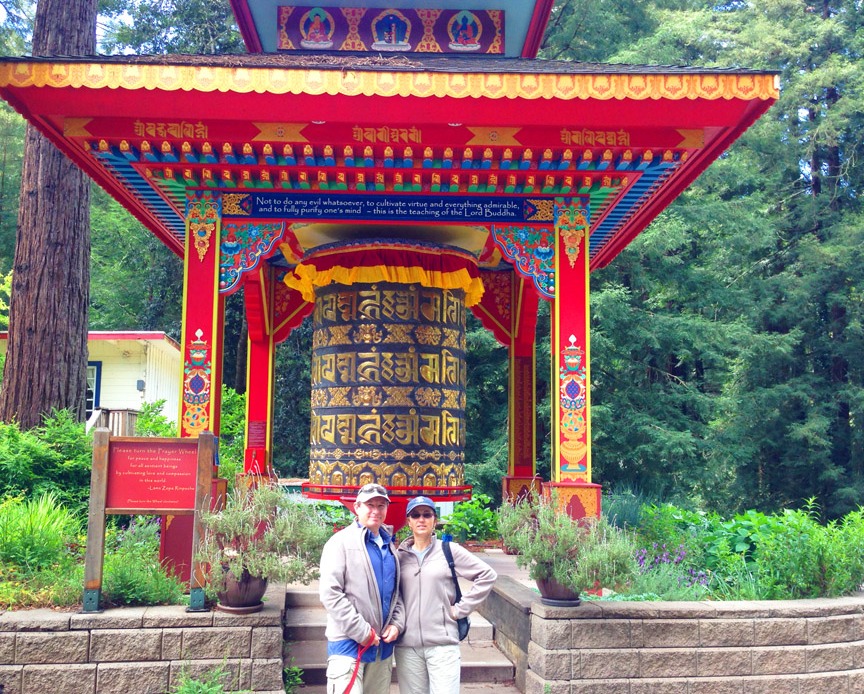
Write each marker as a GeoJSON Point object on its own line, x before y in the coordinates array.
{"type": "Point", "coordinates": [372, 678]}
{"type": "Point", "coordinates": [431, 670]}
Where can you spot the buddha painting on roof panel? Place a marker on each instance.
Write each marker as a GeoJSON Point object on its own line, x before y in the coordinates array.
{"type": "Point", "coordinates": [464, 30]}
{"type": "Point", "coordinates": [389, 29]}
{"type": "Point", "coordinates": [316, 27]}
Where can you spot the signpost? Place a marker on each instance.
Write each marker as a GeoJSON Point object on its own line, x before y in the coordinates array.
{"type": "Point", "coordinates": [158, 476]}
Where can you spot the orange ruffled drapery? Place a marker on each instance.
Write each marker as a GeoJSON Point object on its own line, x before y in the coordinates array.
{"type": "Point", "coordinates": [444, 268]}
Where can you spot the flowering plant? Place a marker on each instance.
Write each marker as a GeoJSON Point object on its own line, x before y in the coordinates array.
{"type": "Point", "coordinates": [263, 532]}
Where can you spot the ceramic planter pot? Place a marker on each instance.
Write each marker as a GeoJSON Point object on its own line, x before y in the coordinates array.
{"type": "Point", "coordinates": [242, 596]}
{"type": "Point", "coordinates": [554, 594]}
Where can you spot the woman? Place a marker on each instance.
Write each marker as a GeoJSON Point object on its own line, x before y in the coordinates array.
{"type": "Point", "coordinates": [428, 660]}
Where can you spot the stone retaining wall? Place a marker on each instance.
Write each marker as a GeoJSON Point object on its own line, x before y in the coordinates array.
{"type": "Point", "coordinates": [776, 647]}
{"type": "Point", "coordinates": [140, 650]}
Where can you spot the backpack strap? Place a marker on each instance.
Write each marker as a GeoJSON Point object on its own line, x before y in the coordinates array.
{"type": "Point", "coordinates": [448, 554]}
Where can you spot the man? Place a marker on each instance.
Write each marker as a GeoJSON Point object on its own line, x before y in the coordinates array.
{"type": "Point", "coordinates": [359, 589]}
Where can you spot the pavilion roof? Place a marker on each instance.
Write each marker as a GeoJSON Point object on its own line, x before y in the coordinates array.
{"type": "Point", "coordinates": [150, 128]}
{"type": "Point", "coordinates": [270, 25]}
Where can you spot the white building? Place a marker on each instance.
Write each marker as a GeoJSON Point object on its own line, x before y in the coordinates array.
{"type": "Point", "coordinates": [128, 369]}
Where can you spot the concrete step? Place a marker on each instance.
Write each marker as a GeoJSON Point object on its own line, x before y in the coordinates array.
{"type": "Point", "coordinates": [302, 596]}
{"type": "Point", "coordinates": [482, 662]}
{"type": "Point", "coordinates": [304, 645]}
{"type": "Point", "coordinates": [307, 623]}
{"type": "Point", "coordinates": [465, 688]}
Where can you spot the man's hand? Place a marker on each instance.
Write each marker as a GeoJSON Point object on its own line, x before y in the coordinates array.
{"type": "Point", "coordinates": [373, 640]}
{"type": "Point", "coordinates": [390, 634]}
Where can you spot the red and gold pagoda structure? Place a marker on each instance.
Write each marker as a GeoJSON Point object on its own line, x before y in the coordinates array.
{"type": "Point", "coordinates": [383, 171]}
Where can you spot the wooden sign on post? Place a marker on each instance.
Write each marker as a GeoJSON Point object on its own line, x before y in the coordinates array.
{"type": "Point", "coordinates": [146, 476]}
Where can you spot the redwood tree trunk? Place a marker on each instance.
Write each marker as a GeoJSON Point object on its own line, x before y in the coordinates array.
{"type": "Point", "coordinates": [46, 362]}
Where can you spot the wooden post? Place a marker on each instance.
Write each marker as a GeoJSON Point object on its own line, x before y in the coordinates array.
{"type": "Point", "coordinates": [95, 555]}
{"type": "Point", "coordinates": [206, 456]}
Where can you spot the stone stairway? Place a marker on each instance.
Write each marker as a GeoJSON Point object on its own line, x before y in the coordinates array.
{"type": "Point", "coordinates": [484, 667]}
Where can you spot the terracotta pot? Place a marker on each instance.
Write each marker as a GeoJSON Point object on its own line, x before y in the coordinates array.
{"type": "Point", "coordinates": [553, 593]}
{"type": "Point", "coordinates": [242, 596]}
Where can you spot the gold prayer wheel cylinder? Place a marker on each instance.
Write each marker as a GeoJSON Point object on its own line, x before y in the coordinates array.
{"type": "Point", "coordinates": [388, 387]}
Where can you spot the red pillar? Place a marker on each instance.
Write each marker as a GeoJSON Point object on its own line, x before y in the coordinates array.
{"type": "Point", "coordinates": [258, 293]}
{"type": "Point", "coordinates": [521, 475]}
{"type": "Point", "coordinates": [203, 323]}
{"type": "Point", "coordinates": [571, 372]}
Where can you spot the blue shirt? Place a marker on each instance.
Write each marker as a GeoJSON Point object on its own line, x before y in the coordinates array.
{"type": "Point", "coordinates": [384, 565]}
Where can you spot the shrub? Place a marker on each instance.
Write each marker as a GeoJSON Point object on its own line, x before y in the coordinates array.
{"type": "Point", "coordinates": [472, 520]}
{"type": "Point", "coordinates": [666, 582]}
{"type": "Point", "coordinates": [34, 533]}
{"type": "Point", "coordinates": [213, 681]}
{"type": "Point", "coordinates": [133, 574]}
{"type": "Point", "coordinates": [673, 526]}
{"type": "Point", "coordinates": [55, 457]}
{"type": "Point", "coordinates": [623, 508]}
{"type": "Point", "coordinates": [151, 421]}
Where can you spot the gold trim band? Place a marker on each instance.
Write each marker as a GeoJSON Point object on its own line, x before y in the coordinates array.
{"type": "Point", "coordinates": [419, 84]}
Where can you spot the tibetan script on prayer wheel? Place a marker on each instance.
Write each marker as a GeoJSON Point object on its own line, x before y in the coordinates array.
{"type": "Point", "coordinates": [388, 385]}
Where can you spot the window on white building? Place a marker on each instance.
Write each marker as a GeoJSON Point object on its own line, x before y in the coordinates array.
{"type": "Point", "coordinates": [94, 385]}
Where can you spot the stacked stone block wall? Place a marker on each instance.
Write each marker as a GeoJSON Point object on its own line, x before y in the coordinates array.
{"type": "Point", "coordinates": [776, 647]}
{"type": "Point", "coordinates": [138, 649]}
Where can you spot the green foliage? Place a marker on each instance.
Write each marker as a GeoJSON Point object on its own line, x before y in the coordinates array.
{"type": "Point", "coordinates": [34, 533]}
{"type": "Point", "coordinates": [232, 435]}
{"type": "Point", "coordinates": [623, 507]}
{"type": "Point", "coordinates": [133, 574]}
{"type": "Point", "coordinates": [55, 458]}
{"type": "Point", "coordinates": [292, 408]}
{"type": "Point", "coordinates": [668, 582]}
{"type": "Point", "coordinates": [671, 526]}
{"type": "Point", "coordinates": [216, 680]}
{"type": "Point", "coordinates": [5, 293]}
{"type": "Point", "coordinates": [136, 281]}
{"type": "Point", "coordinates": [171, 26]}
{"type": "Point", "coordinates": [151, 421]}
{"type": "Point", "coordinates": [472, 520]}
{"type": "Point", "coordinates": [334, 514]}
{"type": "Point", "coordinates": [266, 533]}
{"type": "Point", "coordinates": [57, 585]}
{"type": "Point", "coordinates": [754, 556]}
{"type": "Point", "coordinates": [486, 408]}
{"type": "Point", "coordinates": [292, 678]}
{"type": "Point", "coordinates": [577, 554]}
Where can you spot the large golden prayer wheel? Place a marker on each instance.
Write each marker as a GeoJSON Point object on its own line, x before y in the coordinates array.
{"type": "Point", "coordinates": [388, 367]}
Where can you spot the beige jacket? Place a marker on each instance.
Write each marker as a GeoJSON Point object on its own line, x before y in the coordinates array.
{"type": "Point", "coordinates": [428, 592]}
{"type": "Point", "coordinates": [348, 589]}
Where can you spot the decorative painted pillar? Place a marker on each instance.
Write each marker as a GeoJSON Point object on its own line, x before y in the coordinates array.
{"type": "Point", "coordinates": [521, 476]}
{"type": "Point", "coordinates": [509, 310]}
{"type": "Point", "coordinates": [203, 324]}
{"type": "Point", "coordinates": [258, 293]}
{"type": "Point", "coordinates": [570, 345]}
{"type": "Point", "coordinates": [244, 247]}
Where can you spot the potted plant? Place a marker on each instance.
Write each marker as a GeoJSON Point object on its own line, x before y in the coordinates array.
{"type": "Point", "coordinates": [260, 535]}
{"type": "Point", "coordinates": [564, 556]}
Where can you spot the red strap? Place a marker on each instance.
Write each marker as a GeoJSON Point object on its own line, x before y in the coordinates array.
{"type": "Point", "coordinates": [360, 651]}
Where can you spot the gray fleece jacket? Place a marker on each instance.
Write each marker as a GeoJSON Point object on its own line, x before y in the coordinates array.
{"type": "Point", "coordinates": [348, 590]}
{"type": "Point", "coordinates": [428, 592]}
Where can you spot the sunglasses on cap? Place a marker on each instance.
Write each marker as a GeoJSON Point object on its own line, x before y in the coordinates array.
{"type": "Point", "coordinates": [373, 488]}
{"type": "Point", "coordinates": [425, 514]}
